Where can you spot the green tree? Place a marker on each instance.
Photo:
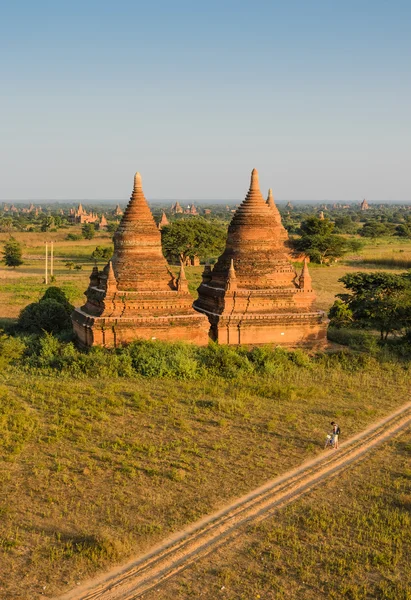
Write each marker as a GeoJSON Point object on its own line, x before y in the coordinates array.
{"type": "Point", "coordinates": [403, 230]}
{"type": "Point", "coordinates": [379, 300]}
{"type": "Point", "coordinates": [102, 253]}
{"type": "Point", "coordinates": [51, 313]}
{"type": "Point", "coordinates": [320, 243]}
{"type": "Point", "coordinates": [193, 237]}
{"type": "Point", "coordinates": [47, 223]}
{"type": "Point", "coordinates": [340, 314]}
{"type": "Point", "coordinates": [345, 224]}
{"type": "Point", "coordinates": [373, 229]}
{"type": "Point", "coordinates": [69, 265]}
{"type": "Point", "coordinates": [88, 231]}
{"type": "Point", "coordinates": [12, 253]}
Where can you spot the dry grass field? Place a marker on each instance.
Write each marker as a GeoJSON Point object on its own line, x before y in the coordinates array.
{"type": "Point", "coordinates": [349, 538]}
{"type": "Point", "coordinates": [94, 470]}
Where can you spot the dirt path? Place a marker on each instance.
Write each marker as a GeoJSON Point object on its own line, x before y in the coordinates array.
{"type": "Point", "coordinates": [176, 553]}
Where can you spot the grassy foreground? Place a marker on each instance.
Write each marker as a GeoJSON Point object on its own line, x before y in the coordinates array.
{"type": "Point", "coordinates": [349, 538]}
{"type": "Point", "coordinates": [94, 470]}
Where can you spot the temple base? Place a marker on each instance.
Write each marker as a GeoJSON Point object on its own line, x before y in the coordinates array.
{"type": "Point", "coordinates": [289, 330]}
{"type": "Point", "coordinates": [115, 332]}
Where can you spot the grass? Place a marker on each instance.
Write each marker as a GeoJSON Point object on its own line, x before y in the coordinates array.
{"type": "Point", "coordinates": [95, 470]}
{"type": "Point", "coordinates": [349, 538]}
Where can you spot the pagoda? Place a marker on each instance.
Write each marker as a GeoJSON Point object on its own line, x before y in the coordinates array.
{"type": "Point", "coordinates": [136, 296]}
{"type": "Point", "coordinates": [163, 221]}
{"type": "Point", "coordinates": [364, 205]}
{"type": "Point", "coordinates": [253, 294]}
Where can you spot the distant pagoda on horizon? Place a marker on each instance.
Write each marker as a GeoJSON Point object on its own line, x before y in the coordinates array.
{"type": "Point", "coordinates": [136, 295]}
{"type": "Point", "coordinates": [253, 294]}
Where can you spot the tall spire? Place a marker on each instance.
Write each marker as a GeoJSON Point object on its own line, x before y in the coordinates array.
{"type": "Point", "coordinates": [255, 237]}
{"type": "Point", "coordinates": [270, 198]}
{"type": "Point", "coordinates": [138, 259]}
{"type": "Point", "coordinates": [137, 208]}
{"type": "Point", "coordinates": [305, 277]}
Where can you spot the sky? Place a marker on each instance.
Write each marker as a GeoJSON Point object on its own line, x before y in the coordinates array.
{"type": "Point", "coordinates": [314, 94]}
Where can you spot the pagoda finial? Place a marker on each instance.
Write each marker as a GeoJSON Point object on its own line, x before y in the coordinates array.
{"type": "Point", "coordinates": [254, 185]}
{"type": "Point", "coordinates": [138, 184]}
{"type": "Point", "coordinates": [182, 284]}
{"type": "Point", "coordinates": [232, 278]}
{"type": "Point", "coordinates": [270, 198]}
{"type": "Point", "coordinates": [111, 285]}
{"type": "Point", "coordinates": [305, 277]}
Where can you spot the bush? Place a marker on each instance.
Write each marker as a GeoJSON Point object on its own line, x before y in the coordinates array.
{"type": "Point", "coordinates": [159, 359]}
{"type": "Point", "coordinates": [47, 315]}
{"type": "Point", "coordinates": [356, 339]}
{"type": "Point", "coordinates": [51, 313]}
{"type": "Point", "coordinates": [11, 350]}
{"type": "Point", "coordinates": [225, 361]}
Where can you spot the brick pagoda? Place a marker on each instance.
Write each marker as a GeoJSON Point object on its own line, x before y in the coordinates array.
{"type": "Point", "coordinates": [136, 295]}
{"type": "Point", "coordinates": [253, 294]}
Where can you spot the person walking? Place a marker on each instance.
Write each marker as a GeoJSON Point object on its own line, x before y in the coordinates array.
{"type": "Point", "coordinates": [335, 434]}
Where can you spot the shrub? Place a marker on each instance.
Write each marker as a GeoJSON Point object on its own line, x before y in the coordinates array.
{"type": "Point", "coordinates": [47, 315]}
{"type": "Point", "coordinates": [11, 350]}
{"type": "Point", "coordinates": [225, 361]}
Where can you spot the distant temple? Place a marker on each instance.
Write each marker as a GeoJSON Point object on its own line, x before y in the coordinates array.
{"type": "Point", "coordinates": [163, 221]}
{"type": "Point", "coordinates": [253, 294]}
{"type": "Point", "coordinates": [103, 223]}
{"type": "Point", "coordinates": [79, 215]}
{"type": "Point", "coordinates": [191, 210]}
{"type": "Point", "coordinates": [176, 209]}
{"type": "Point", "coordinates": [364, 205]}
{"type": "Point", "coordinates": [117, 211]}
{"type": "Point", "coordinates": [136, 295]}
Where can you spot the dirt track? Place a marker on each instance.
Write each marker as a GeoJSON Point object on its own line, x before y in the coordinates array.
{"type": "Point", "coordinates": [176, 553]}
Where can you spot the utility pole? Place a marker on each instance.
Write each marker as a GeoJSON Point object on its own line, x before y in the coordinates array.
{"type": "Point", "coordinates": [46, 278]}
{"type": "Point", "coordinates": [51, 259]}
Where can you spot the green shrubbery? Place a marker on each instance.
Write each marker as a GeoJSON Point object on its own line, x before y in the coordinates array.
{"type": "Point", "coordinates": [49, 355]}
{"type": "Point", "coordinates": [51, 313]}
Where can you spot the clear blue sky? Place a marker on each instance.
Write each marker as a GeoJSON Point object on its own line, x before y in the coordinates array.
{"type": "Point", "coordinates": [315, 94]}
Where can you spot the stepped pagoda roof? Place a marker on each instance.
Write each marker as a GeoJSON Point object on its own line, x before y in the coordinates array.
{"type": "Point", "coordinates": [255, 244]}
{"type": "Point", "coordinates": [138, 260]}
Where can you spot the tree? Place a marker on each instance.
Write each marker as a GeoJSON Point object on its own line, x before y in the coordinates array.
{"type": "Point", "coordinates": [403, 230]}
{"type": "Point", "coordinates": [375, 229]}
{"type": "Point", "coordinates": [51, 313]}
{"type": "Point", "coordinates": [12, 253]}
{"type": "Point", "coordinates": [88, 231]}
{"type": "Point", "coordinates": [345, 224]}
{"type": "Point", "coordinates": [340, 314]}
{"type": "Point", "coordinates": [320, 243]}
{"type": "Point", "coordinates": [102, 253]}
{"type": "Point", "coordinates": [193, 237]}
{"type": "Point", "coordinates": [47, 224]}
{"type": "Point", "coordinates": [315, 226]}
{"type": "Point", "coordinates": [70, 265]}
{"type": "Point", "coordinates": [379, 300]}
